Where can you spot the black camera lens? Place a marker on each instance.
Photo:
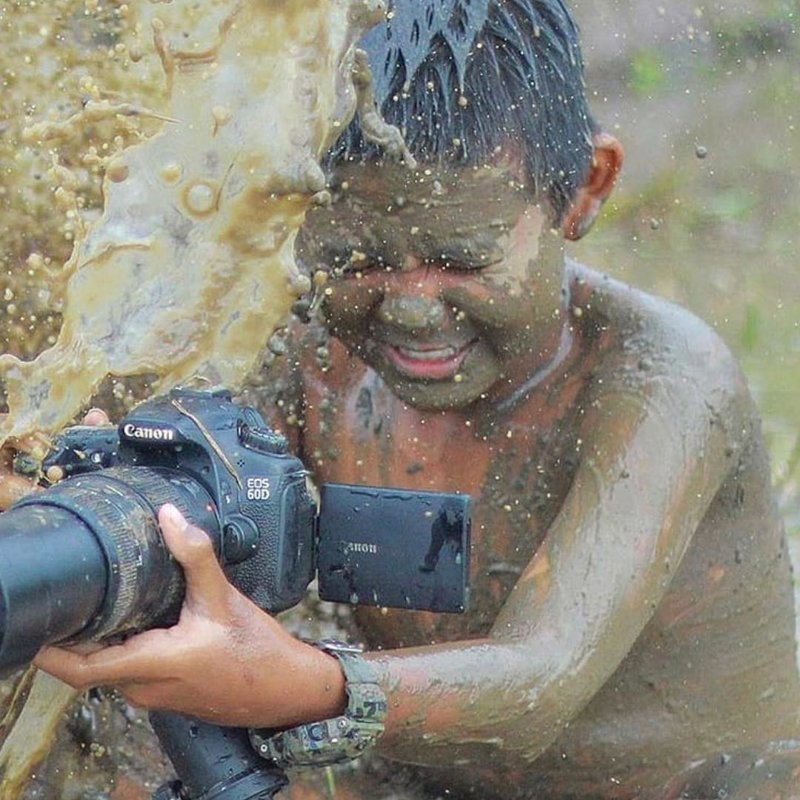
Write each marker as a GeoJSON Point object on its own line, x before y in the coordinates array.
{"type": "Point", "coordinates": [86, 559]}
{"type": "Point", "coordinates": [53, 579]}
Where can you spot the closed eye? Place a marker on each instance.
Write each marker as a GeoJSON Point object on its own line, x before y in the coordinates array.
{"type": "Point", "coordinates": [460, 265]}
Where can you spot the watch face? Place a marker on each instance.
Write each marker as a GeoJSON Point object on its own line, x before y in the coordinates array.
{"type": "Point", "coordinates": [337, 646]}
{"type": "Point", "coordinates": [387, 547]}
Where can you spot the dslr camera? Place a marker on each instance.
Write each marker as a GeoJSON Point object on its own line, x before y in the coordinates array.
{"type": "Point", "coordinates": [84, 559]}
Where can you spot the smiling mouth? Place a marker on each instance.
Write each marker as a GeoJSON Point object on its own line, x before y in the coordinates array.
{"type": "Point", "coordinates": [433, 363]}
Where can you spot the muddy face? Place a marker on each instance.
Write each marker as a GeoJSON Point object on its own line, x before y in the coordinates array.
{"type": "Point", "coordinates": [449, 283]}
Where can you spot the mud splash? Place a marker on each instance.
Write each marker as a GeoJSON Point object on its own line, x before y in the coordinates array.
{"type": "Point", "coordinates": [190, 265]}
{"type": "Point", "coordinates": [202, 149]}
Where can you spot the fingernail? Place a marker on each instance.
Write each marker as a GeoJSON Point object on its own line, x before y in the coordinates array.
{"type": "Point", "coordinates": [173, 516]}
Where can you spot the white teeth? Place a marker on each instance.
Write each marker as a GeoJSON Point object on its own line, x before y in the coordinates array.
{"type": "Point", "coordinates": [441, 354]}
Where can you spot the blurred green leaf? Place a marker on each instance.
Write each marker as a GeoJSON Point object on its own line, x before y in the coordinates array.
{"type": "Point", "coordinates": [733, 204]}
{"type": "Point", "coordinates": [646, 73]}
{"type": "Point", "coordinates": [751, 330]}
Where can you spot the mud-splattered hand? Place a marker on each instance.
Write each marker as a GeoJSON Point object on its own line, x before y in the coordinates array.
{"type": "Point", "coordinates": [14, 486]}
{"type": "Point", "coordinates": [226, 661]}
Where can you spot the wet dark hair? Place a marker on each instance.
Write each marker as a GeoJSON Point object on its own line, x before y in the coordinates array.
{"type": "Point", "coordinates": [461, 78]}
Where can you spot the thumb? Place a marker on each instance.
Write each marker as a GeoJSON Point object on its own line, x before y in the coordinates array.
{"type": "Point", "coordinates": [96, 417]}
{"type": "Point", "coordinates": [206, 584]}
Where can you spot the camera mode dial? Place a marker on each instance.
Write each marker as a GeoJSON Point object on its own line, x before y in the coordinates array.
{"type": "Point", "coordinates": [262, 440]}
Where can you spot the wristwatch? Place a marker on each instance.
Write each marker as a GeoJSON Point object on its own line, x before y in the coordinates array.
{"type": "Point", "coordinates": [339, 739]}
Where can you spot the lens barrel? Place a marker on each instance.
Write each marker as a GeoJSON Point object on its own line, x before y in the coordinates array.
{"type": "Point", "coordinates": [85, 559]}
{"type": "Point", "coordinates": [53, 578]}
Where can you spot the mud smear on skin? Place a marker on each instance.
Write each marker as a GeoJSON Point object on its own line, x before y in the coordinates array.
{"type": "Point", "coordinates": [411, 213]}
{"type": "Point", "coordinates": [380, 218]}
{"type": "Point", "coordinates": [179, 179]}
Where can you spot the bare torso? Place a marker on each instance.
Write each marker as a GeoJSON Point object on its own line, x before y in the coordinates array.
{"type": "Point", "coordinates": [714, 668]}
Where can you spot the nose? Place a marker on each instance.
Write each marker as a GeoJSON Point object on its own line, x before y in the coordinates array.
{"type": "Point", "coordinates": [412, 298]}
{"type": "Point", "coordinates": [411, 312]}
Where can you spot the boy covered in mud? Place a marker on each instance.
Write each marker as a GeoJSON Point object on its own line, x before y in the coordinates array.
{"type": "Point", "coordinates": [631, 630]}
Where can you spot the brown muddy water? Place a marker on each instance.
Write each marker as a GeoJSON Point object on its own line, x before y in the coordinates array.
{"type": "Point", "coordinates": [705, 97]}
{"type": "Point", "coordinates": [256, 92]}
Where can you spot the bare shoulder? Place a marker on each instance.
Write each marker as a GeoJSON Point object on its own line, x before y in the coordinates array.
{"type": "Point", "coordinates": [652, 337]}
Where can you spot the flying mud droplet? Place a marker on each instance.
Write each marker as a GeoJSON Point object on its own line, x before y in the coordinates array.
{"type": "Point", "coordinates": [277, 342]}
{"type": "Point", "coordinates": [171, 173]}
{"type": "Point", "coordinates": [200, 198]}
{"type": "Point", "coordinates": [222, 116]}
{"type": "Point", "coordinates": [299, 284]}
{"type": "Point", "coordinates": [117, 171]}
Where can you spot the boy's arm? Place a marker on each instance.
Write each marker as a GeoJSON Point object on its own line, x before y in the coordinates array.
{"type": "Point", "coordinates": [652, 460]}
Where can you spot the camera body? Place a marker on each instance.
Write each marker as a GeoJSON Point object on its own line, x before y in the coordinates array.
{"type": "Point", "coordinates": [85, 560]}
{"type": "Point", "coordinates": [233, 476]}
{"type": "Point", "coordinates": [265, 517]}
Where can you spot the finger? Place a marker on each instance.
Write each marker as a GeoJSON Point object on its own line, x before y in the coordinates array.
{"type": "Point", "coordinates": [37, 445]}
{"type": "Point", "coordinates": [13, 488]}
{"type": "Point", "coordinates": [96, 417]}
{"type": "Point", "coordinates": [207, 588]}
{"type": "Point", "coordinates": [135, 660]}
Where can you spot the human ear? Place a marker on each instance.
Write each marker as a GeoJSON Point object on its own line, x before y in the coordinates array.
{"type": "Point", "coordinates": [606, 165]}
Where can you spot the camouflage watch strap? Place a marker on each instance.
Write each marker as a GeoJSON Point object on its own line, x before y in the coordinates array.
{"type": "Point", "coordinates": [332, 741]}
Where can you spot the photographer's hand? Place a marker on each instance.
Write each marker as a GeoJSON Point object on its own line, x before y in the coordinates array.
{"type": "Point", "coordinates": [13, 486]}
{"type": "Point", "coordinates": [226, 661]}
